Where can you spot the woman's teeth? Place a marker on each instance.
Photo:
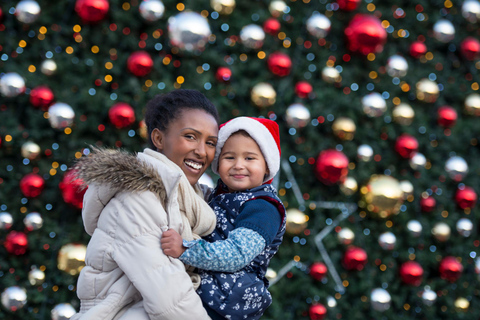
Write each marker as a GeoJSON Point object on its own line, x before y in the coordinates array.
{"type": "Point", "coordinates": [194, 165]}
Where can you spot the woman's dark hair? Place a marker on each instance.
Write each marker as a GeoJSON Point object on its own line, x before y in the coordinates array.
{"type": "Point", "coordinates": [165, 108]}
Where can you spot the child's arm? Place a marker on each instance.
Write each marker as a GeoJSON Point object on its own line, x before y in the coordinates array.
{"type": "Point", "coordinates": [172, 243]}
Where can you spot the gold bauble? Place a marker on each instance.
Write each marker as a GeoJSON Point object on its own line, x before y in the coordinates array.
{"type": "Point", "coordinates": [346, 236]}
{"type": "Point", "coordinates": [461, 304]}
{"type": "Point", "coordinates": [296, 221]}
{"type": "Point", "coordinates": [30, 150]}
{"type": "Point", "coordinates": [143, 130]}
{"type": "Point", "coordinates": [382, 196]}
{"type": "Point", "coordinates": [36, 277]}
{"type": "Point", "coordinates": [344, 128]}
{"type": "Point", "coordinates": [472, 104]}
{"type": "Point", "coordinates": [270, 274]}
{"type": "Point", "coordinates": [441, 231]}
{"type": "Point", "coordinates": [263, 95]}
{"type": "Point", "coordinates": [427, 90]}
{"type": "Point", "coordinates": [349, 186]}
{"type": "Point", "coordinates": [71, 258]}
{"type": "Point", "coordinates": [403, 114]}
{"type": "Point", "coordinates": [331, 75]}
{"type": "Point", "coordinates": [223, 6]}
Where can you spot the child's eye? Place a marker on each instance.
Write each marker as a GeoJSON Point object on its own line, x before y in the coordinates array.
{"type": "Point", "coordinates": [250, 158]}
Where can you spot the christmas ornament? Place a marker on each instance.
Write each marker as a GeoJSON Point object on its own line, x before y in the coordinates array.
{"type": "Point", "coordinates": [415, 228]}
{"type": "Point", "coordinates": [189, 31]}
{"type": "Point", "coordinates": [224, 7]}
{"type": "Point", "coordinates": [16, 243]}
{"type": "Point", "coordinates": [36, 277]}
{"type": "Point", "coordinates": [417, 161]}
{"type": "Point", "coordinates": [263, 95]}
{"type": "Point", "coordinates": [441, 231]}
{"type": "Point", "coordinates": [471, 10]}
{"type": "Point", "coordinates": [374, 105]}
{"type": "Point", "coordinates": [403, 114]}
{"type": "Point", "coordinates": [349, 186]}
{"type": "Point", "coordinates": [411, 273]}
{"type": "Point", "coordinates": [296, 221]}
{"type": "Point", "coordinates": [348, 5]}
{"type": "Point", "coordinates": [365, 34]}
{"type": "Point", "coordinates": [92, 11]}
{"type": "Point", "coordinates": [121, 115]}
{"type": "Point", "coordinates": [331, 75]}
{"type": "Point", "coordinates": [380, 299]}
{"type": "Point", "coordinates": [464, 227]}
{"type": "Point", "coordinates": [33, 221]}
{"type": "Point", "coordinates": [142, 130]}
{"type": "Point", "coordinates": [456, 167]}
{"type": "Point", "coordinates": [41, 97]}
{"type": "Point", "coordinates": [427, 90]}
{"type": "Point", "coordinates": [12, 84]}
{"type": "Point", "coordinates": [418, 49]}
{"type": "Point", "coordinates": [346, 236]}
{"type": "Point", "coordinates": [364, 152]}
{"type": "Point", "coordinates": [140, 63]}
{"type": "Point", "coordinates": [344, 128]}
{"type": "Point", "coordinates": [472, 104]}
{"type": "Point", "coordinates": [318, 25]}
{"type": "Point", "coordinates": [303, 89]}
{"type": "Point", "coordinates": [382, 196]}
{"type": "Point", "coordinates": [407, 188]}
{"type": "Point", "coordinates": [27, 11]}
{"type": "Point", "coordinates": [466, 197]}
{"type": "Point", "coordinates": [477, 265]}
{"type": "Point", "coordinates": [151, 10]}
{"type": "Point", "coordinates": [317, 311]}
{"type": "Point", "coordinates": [60, 115]}
{"type": "Point", "coordinates": [331, 167]}
{"type": "Point", "coordinates": [252, 36]}
{"type": "Point", "coordinates": [32, 185]}
{"type": "Point", "coordinates": [470, 49]}
{"type": "Point", "coordinates": [331, 302]}
{"type": "Point", "coordinates": [450, 269]}
{"type": "Point", "coordinates": [429, 296]}
{"type": "Point", "coordinates": [277, 8]}
{"type": "Point", "coordinates": [446, 116]}
{"type": "Point", "coordinates": [387, 241]}
{"type": "Point", "coordinates": [443, 31]}
{"type": "Point", "coordinates": [318, 270]}
{"type": "Point", "coordinates": [297, 116]}
{"type": "Point", "coordinates": [397, 66]}
{"type": "Point", "coordinates": [223, 74]}
{"type": "Point", "coordinates": [355, 258]}
{"type": "Point", "coordinates": [62, 311]}
{"type": "Point", "coordinates": [48, 67]}
{"type": "Point", "coordinates": [71, 258]}
{"type": "Point", "coordinates": [272, 26]}
{"type": "Point", "coordinates": [72, 189]}
{"type": "Point", "coordinates": [14, 298]}
{"type": "Point", "coordinates": [30, 150]}
{"type": "Point", "coordinates": [270, 274]}
{"type": "Point", "coordinates": [427, 204]}
{"type": "Point", "coordinates": [6, 220]}
{"type": "Point", "coordinates": [461, 304]}
{"type": "Point", "coordinates": [279, 64]}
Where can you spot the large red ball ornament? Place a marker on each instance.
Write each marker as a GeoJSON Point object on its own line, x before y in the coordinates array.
{"type": "Point", "coordinates": [121, 115]}
{"type": "Point", "coordinates": [41, 97]}
{"type": "Point", "coordinates": [303, 89]}
{"type": "Point", "coordinates": [92, 11]}
{"type": "Point", "coordinates": [406, 146]}
{"type": "Point", "coordinates": [411, 273]}
{"type": "Point", "coordinates": [450, 269]}
{"type": "Point", "coordinates": [355, 258]}
{"type": "Point", "coordinates": [348, 5]}
{"type": "Point", "coordinates": [331, 166]}
{"type": "Point", "coordinates": [365, 34]}
{"type": "Point", "coordinates": [470, 49]}
{"type": "Point", "coordinates": [271, 26]}
{"type": "Point", "coordinates": [72, 189]}
{"type": "Point", "coordinates": [427, 204]}
{"type": "Point", "coordinates": [466, 198]}
{"type": "Point", "coordinates": [32, 185]}
{"type": "Point", "coordinates": [223, 74]}
{"type": "Point", "coordinates": [140, 63]}
{"type": "Point", "coordinates": [317, 312]}
{"type": "Point", "coordinates": [279, 64]}
{"type": "Point", "coordinates": [318, 270]}
{"type": "Point", "coordinates": [16, 243]}
{"type": "Point", "coordinates": [446, 116]}
{"type": "Point", "coordinates": [418, 49]}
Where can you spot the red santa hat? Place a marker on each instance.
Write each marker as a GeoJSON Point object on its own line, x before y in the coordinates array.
{"type": "Point", "coordinates": [265, 133]}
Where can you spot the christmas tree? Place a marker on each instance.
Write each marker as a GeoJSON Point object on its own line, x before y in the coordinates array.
{"type": "Point", "coordinates": [377, 102]}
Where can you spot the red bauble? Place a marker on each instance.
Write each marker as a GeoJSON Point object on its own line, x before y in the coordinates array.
{"type": "Point", "coordinates": [450, 269]}
{"type": "Point", "coordinates": [303, 89]}
{"type": "Point", "coordinates": [427, 204]}
{"type": "Point", "coordinates": [121, 115]}
{"type": "Point", "coordinates": [279, 64]}
{"type": "Point", "coordinates": [317, 311]}
{"type": "Point", "coordinates": [411, 273]}
{"type": "Point", "coordinates": [41, 97]}
{"type": "Point", "coordinates": [271, 26]}
{"type": "Point", "coordinates": [355, 258]}
{"type": "Point", "coordinates": [140, 63]}
{"type": "Point", "coordinates": [16, 243]}
{"type": "Point", "coordinates": [348, 5]}
{"type": "Point", "coordinates": [470, 48]}
{"type": "Point", "coordinates": [32, 185]}
{"type": "Point", "coordinates": [365, 34]}
{"type": "Point", "coordinates": [466, 198]}
{"type": "Point", "coordinates": [318, 270]}
{"type": "Point", "coordinates": [406, 146]}
{"type": "Point", "coordinates": [72, 189]}
{"type": "Point", "coordinates": [331, 166]}
{"type": "Point", "coordinates": [92, 11]}
{"type": "Point", "coordinates": [446, 116]}
{"type": "Point", "coordinates": [418, 49]}
{"type": "Point", "coordinates": [223, 74]}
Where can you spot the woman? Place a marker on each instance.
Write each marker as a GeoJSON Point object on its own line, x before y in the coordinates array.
{"type": "Point", "coordinates": [131, 200]}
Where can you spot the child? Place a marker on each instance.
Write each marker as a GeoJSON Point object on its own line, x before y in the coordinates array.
{"type": "Point", "coordinates": [233, 260]}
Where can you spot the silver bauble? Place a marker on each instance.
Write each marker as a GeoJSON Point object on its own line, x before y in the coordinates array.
{"type": "Point", "coordinates": [364, 152]}
{"type": "Point", "coordinates": [443, 31]}
{"type": "Point", "coordinates": [36, 277]}
{"type": "Point", "coordinates": [277, 8]}
{"type": "Point", "coordinates": [456, 167]}
{"type": "Point", "coordinates": [331, 302]}
{"type": "Point", "coordinates": [403, 114]}
{"type": "Point", "coordinates": [30, 150]}
{"type": "Point", "coordinates": [415, 228]}
{"type": "Point", "coordinates": [297, 115]}
{"type": "Point", "coordinates": [331, 75]}
{"type": "Point", "coordinates": [472, 104]}
{"type": "Point", "coordinates": [225, 7]}
{"type": "Point", "coordinates": [407, 188]}
{"type": "Point", "coordinates": [14, 298]}
{"type": "Point", "coordinates": [27, 11]}
{"type": "Point", "coordinates": [151, 10]}
{"type": "Point", "coordinates": [48, 67]}
{"type": "Point", "coordinates": [427, 90]}
{"type": "Point", "coordinates": [464, 227]}
{"type": "Point", "coordinates": [12, 84]}
{"type": "Point", "coordinates": [417, 161]}
{"type": "Point", "coordinates": [397, 66]}
{"type": "Point", "coordinates": [441, 231]}
{"type": "Point", "coordinates": [318, 25]}
{"type": "Point", "coordinates": [6, 220]}
{"type": "Point", "coordinates": [380, 299]}
{"type": "Point", "coordinates": [270, 274]}
{"type": "Point", "coordinates": [374, 104]}
{"type": "Point", "coordinates": [349, 186]}
{"type": "Point", "coordinates": [189, 31]}
{"type": "Point", "coordinates": [252, 36]}
{"type": "Point", "coordinates": [471, 10]}
{"type": "Point", "coordinates": [60, 115]}
{"type": "Point", "coordinates": [387, 241]}
{"type": "Point", "coordinates": [429, 296]}
{"type": "Point", "coordinates": [33, 221]}
{"type": "Point", "coordinates": [62, 311]}
{"type": "Point", "coordinates": [346, 236]}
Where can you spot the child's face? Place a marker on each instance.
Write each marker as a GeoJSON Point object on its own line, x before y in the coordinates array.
{"type": "Point", "coordinates": [189, 141]}
{"type": "Point", "coordinates": [241, 164]}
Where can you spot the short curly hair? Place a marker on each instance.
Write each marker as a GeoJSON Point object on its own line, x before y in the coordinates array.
{"type": "Point", "coordinates": [164, 108]}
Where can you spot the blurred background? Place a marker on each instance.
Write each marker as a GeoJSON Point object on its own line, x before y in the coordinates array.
{"type": "Point", "coordinates": [378, 106]}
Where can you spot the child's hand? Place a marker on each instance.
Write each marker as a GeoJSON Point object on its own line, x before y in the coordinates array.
{"type": "Point", "coordinates": [172, 243]}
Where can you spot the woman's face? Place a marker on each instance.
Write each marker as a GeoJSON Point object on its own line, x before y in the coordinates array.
{"type": "Point", "coordinates": [189, 141]}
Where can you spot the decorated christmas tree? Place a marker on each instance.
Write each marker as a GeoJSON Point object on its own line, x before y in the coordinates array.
{"type": "Point", "coordinates": [377, 102]}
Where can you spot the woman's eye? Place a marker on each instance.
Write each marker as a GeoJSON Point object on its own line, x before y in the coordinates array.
{"type": "Point", "coordinates": [213, 144]}
{"type": "Point", "coordinates": [190, 136]}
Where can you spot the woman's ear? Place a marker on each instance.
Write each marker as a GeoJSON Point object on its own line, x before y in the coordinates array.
{"type": "Point", "coordinates": [157, 139]}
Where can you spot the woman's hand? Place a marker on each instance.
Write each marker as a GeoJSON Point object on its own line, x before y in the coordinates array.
{"type": "Point", "coordinates": [172, 243]}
